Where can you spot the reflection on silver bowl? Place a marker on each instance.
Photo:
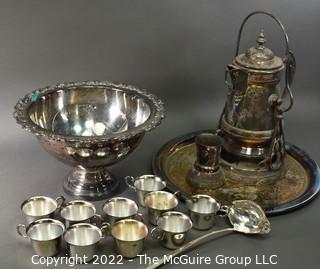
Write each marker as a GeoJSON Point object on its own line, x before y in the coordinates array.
{"type": "Point", "coordinates": [89, 125]}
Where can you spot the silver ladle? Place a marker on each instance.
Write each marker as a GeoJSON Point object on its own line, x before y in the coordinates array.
{"type": "Point", "coordinates": [244, 215]}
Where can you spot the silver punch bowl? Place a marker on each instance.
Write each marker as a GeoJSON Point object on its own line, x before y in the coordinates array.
{"type": "Point", "coordinates": [89, 125]}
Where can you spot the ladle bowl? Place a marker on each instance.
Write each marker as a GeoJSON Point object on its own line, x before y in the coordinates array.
{"type": "Point", "coordinates": [244, 215]}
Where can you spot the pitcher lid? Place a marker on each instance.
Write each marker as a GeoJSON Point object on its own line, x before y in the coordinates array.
{"type": "Point", "coordinates": [260, 57]}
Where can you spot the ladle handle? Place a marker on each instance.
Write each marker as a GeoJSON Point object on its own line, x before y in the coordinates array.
{"type": "Point", "coordinates": [187, 247]}
{"type": "Point", "coordinates": [289, 58]}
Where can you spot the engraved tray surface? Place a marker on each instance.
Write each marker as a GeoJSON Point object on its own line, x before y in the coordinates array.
{"type": "Point", "coordinates": [298, 187]}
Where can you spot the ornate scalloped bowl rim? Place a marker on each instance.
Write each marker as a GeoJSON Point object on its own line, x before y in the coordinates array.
{"type": "Point", "coordinates": [22, 118]}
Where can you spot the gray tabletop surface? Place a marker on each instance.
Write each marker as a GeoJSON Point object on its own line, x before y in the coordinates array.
{"type": "Point", "coordinates": [178, 51]}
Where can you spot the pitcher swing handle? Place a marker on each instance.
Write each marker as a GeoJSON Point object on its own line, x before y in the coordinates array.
{"type": "Point", "coordinates": [289, 59]}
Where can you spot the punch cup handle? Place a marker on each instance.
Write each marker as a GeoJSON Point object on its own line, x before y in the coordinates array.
{"type": "Point", "coordinates": [21, 230]}
{"type": "Point", "coordinates": [156, 233]}
{"type": "Point", "coordinates": [60, 201]}
{"type": "Point", "coordinates": [97, 220]}
{"type": "Point", "coordinates": [105, 229]}
{"type": "Point", "coordinates": [223, 211]}
{"type": "Point", "coordinates": [130, 182]}
{"type": "Point", "coordinates": [139, 217]}
{"type": "Point", "coordinates": [182, 196]}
